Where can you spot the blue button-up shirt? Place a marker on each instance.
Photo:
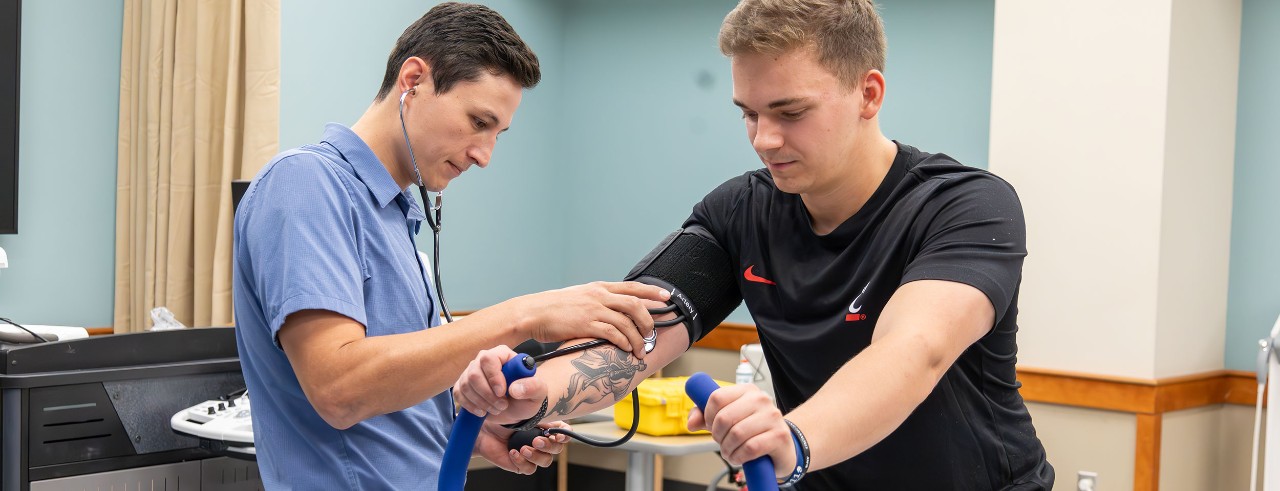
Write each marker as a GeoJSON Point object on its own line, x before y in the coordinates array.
{"type": "Point", "coordinates": [326, 227]}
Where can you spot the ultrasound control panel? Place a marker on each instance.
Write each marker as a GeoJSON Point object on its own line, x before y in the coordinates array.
{"type": "Point", "coordinates": [222, 424]}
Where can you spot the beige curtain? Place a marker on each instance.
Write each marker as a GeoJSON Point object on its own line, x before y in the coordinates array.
{"type": "Point", "coordinates": [199, 107]}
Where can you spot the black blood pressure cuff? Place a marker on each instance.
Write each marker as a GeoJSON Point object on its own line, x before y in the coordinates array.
{"type": "Point", "coordinates": [699, 275]}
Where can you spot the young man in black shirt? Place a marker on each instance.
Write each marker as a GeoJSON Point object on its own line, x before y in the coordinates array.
{"type": "Point", "coordinates": [883, 281]}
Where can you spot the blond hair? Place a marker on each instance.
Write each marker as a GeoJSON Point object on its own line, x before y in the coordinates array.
{"type": "Point", "coordinates": [847, 35]}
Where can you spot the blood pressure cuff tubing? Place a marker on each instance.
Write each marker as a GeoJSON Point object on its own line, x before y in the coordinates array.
{"type": "Point", "coordinates": [699, 275]}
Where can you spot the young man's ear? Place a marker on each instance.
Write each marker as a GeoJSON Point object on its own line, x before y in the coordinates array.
{"type": "Point", "coordinates": [872, 87]}
{"type": "Point", "coordinates": [414, 72]}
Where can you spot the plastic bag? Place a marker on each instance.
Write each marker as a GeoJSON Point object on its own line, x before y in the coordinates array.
{"type": "Point", "coordinates": [162, 320]}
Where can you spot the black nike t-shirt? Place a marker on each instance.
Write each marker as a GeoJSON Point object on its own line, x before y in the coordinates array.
{"type": "Point", "coordinates": [815, 300]}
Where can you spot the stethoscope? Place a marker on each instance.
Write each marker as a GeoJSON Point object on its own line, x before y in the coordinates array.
{"type": "Point", "coordinates": [433, 208]}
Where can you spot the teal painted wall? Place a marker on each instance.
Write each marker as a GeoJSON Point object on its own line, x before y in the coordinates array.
{"type": "Point", "coordinates": [62, 261]}
{"type": "Point", "coordinates": [502, 229]}
{"type": "Point", "coordinates": [1253, 300]}
{"type": "Point", "coordinates": [625, 132]}
{"type": "Point", "coordinates": [938, 76]}
{"type": "Point", "coordinates": [649, 127]}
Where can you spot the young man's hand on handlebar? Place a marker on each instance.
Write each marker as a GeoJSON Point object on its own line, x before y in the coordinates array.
{"type": "Point", "coordinates": [747, 425]}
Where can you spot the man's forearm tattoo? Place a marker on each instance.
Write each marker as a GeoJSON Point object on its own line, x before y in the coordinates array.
{"type": "Point", "coordinates": [601, 372]}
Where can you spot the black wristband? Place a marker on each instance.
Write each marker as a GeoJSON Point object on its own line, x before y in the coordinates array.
{"type": "Point", "coordinates": [532, 421]}
{"type": "Point", "coordinates": [802, 457]}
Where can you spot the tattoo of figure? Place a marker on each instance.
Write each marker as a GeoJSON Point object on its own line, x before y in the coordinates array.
{"type": "Point", "coordinates": [602, 371]}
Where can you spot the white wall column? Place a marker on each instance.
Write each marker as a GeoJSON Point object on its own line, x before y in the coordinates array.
{"type": "Point", "coordinates": [1115, 122]}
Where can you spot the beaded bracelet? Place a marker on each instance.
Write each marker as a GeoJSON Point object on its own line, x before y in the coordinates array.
{"type": "Point", "coordinates": [802, 457]}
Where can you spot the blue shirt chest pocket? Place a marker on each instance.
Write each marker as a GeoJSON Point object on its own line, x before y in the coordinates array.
{"type": "Point", "coordinates": [395, 286]}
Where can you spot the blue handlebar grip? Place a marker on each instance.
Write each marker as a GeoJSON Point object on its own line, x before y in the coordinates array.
{"type": "Point", "coordinates": [462, 438]}
{"type": "Point", "coordinates": [759, 470]}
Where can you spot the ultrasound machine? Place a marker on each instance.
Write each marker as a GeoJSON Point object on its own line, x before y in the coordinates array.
{"type": "Point", "coordinates": [126, 411]}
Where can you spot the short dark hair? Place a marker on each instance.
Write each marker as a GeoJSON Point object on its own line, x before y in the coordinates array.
{"type": "Point", "coordinates": [458, 40]}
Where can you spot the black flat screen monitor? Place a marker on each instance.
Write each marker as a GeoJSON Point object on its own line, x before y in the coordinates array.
{"type": "Point", "coordinates": [10, 45]}
{"type": "Point", "coordinates": [237, 191]}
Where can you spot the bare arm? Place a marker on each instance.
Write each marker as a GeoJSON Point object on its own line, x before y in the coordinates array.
{"type": "Point", "coordinates": [349, 377]}
{"type": "Point", "coordinates": [574, 384]}
{"type": "Point", "coordinates": [923, 330]}
{"type": "Point", "coordinates": [603, 375]}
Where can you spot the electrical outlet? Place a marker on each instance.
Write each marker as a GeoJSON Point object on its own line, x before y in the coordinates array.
{"type": "Point", "coordinates": [1086, 481]}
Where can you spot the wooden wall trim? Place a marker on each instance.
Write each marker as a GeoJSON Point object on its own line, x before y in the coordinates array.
{"type": "Point", "coordinates": [1146, 452]}
{"type": "Point", "coordinates": [1087, 390]}
{"type": "Point", "coordinates": [1242, 388]}
{"type": "Point", "coordinates": [1083, 391]}
{"type": "Point", "coordinates": [729, 336]}
{"type": "Point", "coordinates": [1139, 396]}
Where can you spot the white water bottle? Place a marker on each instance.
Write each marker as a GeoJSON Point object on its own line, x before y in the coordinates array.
{"type": "Point", "coordinates": [745, 373]}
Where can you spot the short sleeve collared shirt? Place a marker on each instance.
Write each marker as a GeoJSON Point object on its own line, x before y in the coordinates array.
{"type": "Point", "coordinates": [326, 227]}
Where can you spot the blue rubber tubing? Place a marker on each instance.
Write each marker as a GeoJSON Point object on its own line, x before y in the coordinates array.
{"type": "Point", "coordinates": [462, 438]}
{"type": "Point", "coordinates": [759, 470]}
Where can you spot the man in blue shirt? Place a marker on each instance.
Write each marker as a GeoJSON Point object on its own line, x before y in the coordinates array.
{"type": "Point", "coordinates": [338, 330]}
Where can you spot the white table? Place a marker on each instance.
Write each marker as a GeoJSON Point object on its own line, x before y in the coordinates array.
{"type": "Point", "coordinates": [642, 448]}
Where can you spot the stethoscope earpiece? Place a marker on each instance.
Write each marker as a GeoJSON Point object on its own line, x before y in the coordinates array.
{"type": "Point", "coordinates": [412, 91]}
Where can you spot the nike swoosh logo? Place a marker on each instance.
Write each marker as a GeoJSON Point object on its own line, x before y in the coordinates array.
{"type": "Point", "coordinates": [855, 305]}
{"type": "Point", "coordinates": [752, 276]}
